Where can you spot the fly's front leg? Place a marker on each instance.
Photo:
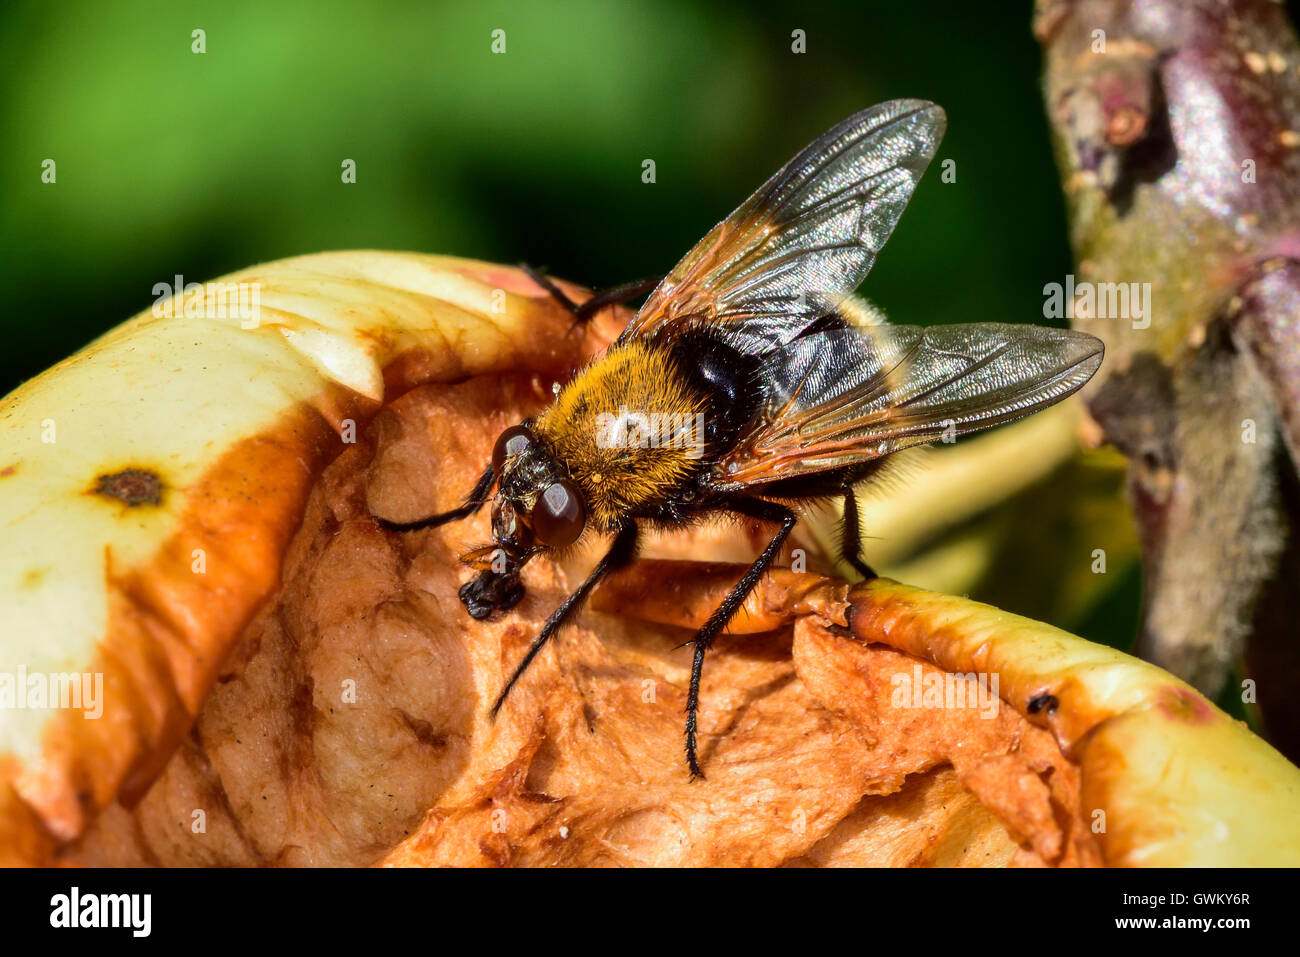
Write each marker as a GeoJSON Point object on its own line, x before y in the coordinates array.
{"type": "Point", "coordinates": [620, 553]}
{"type": "Point", "coordinates": [490, 591]}
{"type": "Point", "coordinates": [722, 615]}
{"type": "Point", "coordinates": [475, 500]}
{"type": "Point", "coordinates": [584, 313]}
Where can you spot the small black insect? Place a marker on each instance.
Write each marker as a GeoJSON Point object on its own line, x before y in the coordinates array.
{"type": "Point", "coordinates": [745, 384]}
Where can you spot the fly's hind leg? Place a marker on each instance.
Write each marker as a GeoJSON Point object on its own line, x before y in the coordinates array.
{"type": "Point", "coordinates": [722, 615]}
{"type": "Point", "coordinates": [585, 312]}
{"type": "Point", "coordinates": [851, 536]}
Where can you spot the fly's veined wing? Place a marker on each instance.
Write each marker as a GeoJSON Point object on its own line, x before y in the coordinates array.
{"type": "Point", "coordinates": [805, 240]}
{"type": "Point", "coordinates": [843, 395]}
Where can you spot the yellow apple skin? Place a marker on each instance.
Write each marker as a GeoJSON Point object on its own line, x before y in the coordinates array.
{"type": "Point", "coordinates": [1170, 779]}
{"type": "Point", "coordinates": [220, 431]}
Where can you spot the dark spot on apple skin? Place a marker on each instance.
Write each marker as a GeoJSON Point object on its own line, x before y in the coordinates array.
{"type": "Point", "coordinates": [8, 470]}
{"type": "Point", "coordinates": [1043, 702]}
{"type": "Point", "coordinates": [132, 486]}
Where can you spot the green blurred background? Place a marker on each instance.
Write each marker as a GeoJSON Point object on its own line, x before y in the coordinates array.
{"type": "Point", "coordinates": [173, 162]}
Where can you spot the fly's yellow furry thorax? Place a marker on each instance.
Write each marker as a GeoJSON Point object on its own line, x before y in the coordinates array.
{"type": "Point", "coordinates": [629, 428]}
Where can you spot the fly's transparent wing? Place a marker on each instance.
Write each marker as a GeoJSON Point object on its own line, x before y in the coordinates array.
{"type": "Point", "coordinates": [807, 238]}
{"type": "Point", "coordinates": [843, 395]}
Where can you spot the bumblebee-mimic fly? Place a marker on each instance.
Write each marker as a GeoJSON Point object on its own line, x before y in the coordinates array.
{"type": "Point", "coordinates": [756, 390]}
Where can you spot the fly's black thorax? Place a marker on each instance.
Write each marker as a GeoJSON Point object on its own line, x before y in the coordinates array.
{"type": "Point", "coordinates": [728, 377]}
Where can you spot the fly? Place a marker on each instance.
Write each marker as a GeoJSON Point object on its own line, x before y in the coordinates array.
{"type": "Point", "coordinates": [745, 385]}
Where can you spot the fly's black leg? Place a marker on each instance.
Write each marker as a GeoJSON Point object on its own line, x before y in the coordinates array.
{"type": "Point", "coordinates": [472, 504]}
{"type": "Point", "coordinates": [558, 294]}
{"type": "Point", "coordinates": [851, 536]}
{"type": "Point", "coordinates": [615, 295]}
{"type": "Point", "coordinates": [763, 511]}
{"type": "Point", "coordinates": [606, 297]}
{"type": "Point", "coordinates": [619, 554]}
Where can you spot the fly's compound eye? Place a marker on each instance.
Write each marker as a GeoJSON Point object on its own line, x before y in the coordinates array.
{"type": "Point", "coordinates": [558, 516]}
{"type": "Point", "coordinates": [510, 443]}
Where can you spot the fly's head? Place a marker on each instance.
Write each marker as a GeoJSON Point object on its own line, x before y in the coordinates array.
{"type": "Point", "coordinates": [537, 507]}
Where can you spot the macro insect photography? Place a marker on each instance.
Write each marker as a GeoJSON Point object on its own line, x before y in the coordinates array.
{"type": "Point", "coordinates": [650, 435]}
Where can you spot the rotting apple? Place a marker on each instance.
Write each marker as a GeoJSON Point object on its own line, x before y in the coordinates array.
{"type": "Point", "coordinates": [188, 504]}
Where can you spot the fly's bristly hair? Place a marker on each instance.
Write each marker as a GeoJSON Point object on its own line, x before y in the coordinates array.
{"type": "Point", "coordinates": [638, 378]}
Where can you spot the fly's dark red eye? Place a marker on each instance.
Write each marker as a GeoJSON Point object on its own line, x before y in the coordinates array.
{"type": "Point", "coordinates": [558, 516]}
{"type": "Point", "coordinates": [510, 443]}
